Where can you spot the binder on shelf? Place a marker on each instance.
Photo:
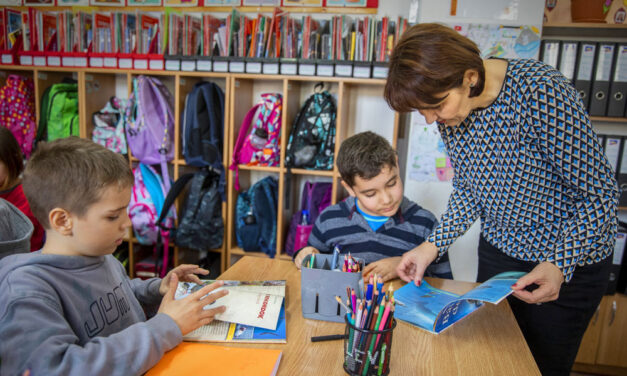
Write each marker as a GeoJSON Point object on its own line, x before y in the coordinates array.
{"type": "Point", "coordinates": [613, 146]}
{"type": "Point", "coordinates": [188, 63]}
{"type": "Point", "coordinates": [362, 69]}
{"type": "Point", "coordinates": [204, 63]}
{"type": "Point", "coordinates": [622, 177]}
{"type": "Point", "coordinates": [254, 65]}
{"type": "Point", "coordinates": [617, 260]}
{"type": "Point", "coordinates": [618, 86]}
{"type": "Point", "coordinates": [289, 66]}
{"type": "Point", "coordinates": [585, 65]}
{"type": "Point", "coordinates": [307, 67]}
{"type": "Point", "coordinates": [601, 81]}
{"type": "Point", "coordinates": [271, 66]}
{"type": "Point", "coordinates": [551, 52]}
{"type": "Point", "coordinates": [568, 59]}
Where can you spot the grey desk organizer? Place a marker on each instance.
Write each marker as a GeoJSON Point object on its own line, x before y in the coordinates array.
{"type": "Point", "coordinates": [320, 285]}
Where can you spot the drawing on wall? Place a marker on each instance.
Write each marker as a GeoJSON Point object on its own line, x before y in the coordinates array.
{"type": "Point", "coordinates": [180, 3]}
{"type": "Point", "coordinates": [11, 2]}
{"type": "Point", "coordinates": [41, 3]}
{"type": "Point", "coordinates": [107, 3]}
{"type": "Point", "coordinates": [509, 42]}
{"type": "Point", "coordinates": [144, 3]}
{"type": "Point", "coordinates": [302, 3]}
{"type": "Point", "coordinates": [427, 160]}
{"type": "Point", "coordinates": [69, 3]}
{"type": "Point", "coordinates": [346, 3]}
{"type": "Point", "coordinates": [221, 3]}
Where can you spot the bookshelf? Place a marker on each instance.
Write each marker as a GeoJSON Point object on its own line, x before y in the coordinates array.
{"type": "Point", "coordinates": [242, 91]}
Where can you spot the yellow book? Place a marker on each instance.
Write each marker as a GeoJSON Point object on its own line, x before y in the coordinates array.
{"type": "Point", "coordinates": [353, 45]}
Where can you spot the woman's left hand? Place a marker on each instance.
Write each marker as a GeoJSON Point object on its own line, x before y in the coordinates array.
{"type": "Point", "coordinates": [185, 273]}
{"type": "Point", "coordinates": [549, 279]}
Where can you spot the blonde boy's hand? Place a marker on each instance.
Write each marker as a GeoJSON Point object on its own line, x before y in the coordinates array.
{"type": "Point", "coordinates": [302, 254]}
{"type": "Point", "coordinates": [386, 268]}
{"type": "Point", "coordinates": [188, 313]}
{"type": "Point", "coordinates": [185, 273]}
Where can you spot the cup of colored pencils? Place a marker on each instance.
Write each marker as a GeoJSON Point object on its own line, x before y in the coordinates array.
{"type": "Point", "coordinates": [368, 336]}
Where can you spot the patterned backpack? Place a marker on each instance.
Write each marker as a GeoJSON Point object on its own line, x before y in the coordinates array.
{"type": "Point", "coordinates": [259, 144]}
{"type": "Point", "coordinates": [109, 126]}
{"type": "Point", "coordinates": [17, 111]}
{"type": "Point", "coordinates": [149, 123]}
{"type": "Point", "coordinates": [147, 199]}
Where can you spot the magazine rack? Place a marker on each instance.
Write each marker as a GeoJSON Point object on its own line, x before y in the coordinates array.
{"type": "Point", "coordinates": [320, 285]}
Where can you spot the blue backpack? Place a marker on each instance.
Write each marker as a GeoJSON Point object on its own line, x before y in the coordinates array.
{"type": "Point", "coordinates": [203, 129]}
{"type": "Point", "coordinates": [256, 217]}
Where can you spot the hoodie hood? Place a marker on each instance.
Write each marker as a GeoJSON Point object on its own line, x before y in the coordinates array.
{"type": "Point", "coordinates": [15, 230]}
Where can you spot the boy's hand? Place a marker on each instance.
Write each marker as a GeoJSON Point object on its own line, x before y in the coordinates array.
{"type": "Point", "coordinates": [386, 268]}
{"type": "Point", "coordinates": [549, 279]}
{"type": "Point", "coordinates": [414, 263]}
{"type": "Point", "coordinates": [188, 313]}
{"type": "Point", "coordinates": [302, 254]}
{"type": "Point", "coordinates": [185, 273]}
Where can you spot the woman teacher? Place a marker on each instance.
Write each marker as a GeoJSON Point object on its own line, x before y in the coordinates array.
{"type": "Point", "coordinates": [528, 163]}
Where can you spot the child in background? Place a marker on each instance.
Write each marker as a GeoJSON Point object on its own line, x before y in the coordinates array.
{"type": "Point", "coordinates": [70, 309]}
{"type": "Point", "coordinates": [376, 222]}
{"type": "Point", "coordinates": [11, 166]}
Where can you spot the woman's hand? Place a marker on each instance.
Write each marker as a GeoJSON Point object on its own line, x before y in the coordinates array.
{"type": "Point", "coordinates": [414, 263]}
{"type": "Point", "coordinates": [185, 273]}
{"type": "Point", "coordinates": [386, 268]}
{"type": "Point", "coordinates": [189, 313]}
{"type": "Point", "coordinates": [549, 279]}
{"type": "Point", "coordinates": [298, 260]}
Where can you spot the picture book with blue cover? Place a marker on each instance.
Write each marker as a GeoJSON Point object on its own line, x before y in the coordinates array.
{"type": "Point", "coordinates": [434, 310]}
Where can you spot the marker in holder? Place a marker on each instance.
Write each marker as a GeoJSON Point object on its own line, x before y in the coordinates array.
{"type": "Point", "coordinates": [367, 352]}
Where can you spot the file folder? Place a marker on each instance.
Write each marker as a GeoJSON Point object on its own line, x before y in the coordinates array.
{"type": "Point", "coordinates": [622, 177]}
{"type": "Point", "coordinates": [601, 82]}
{"type": "Point", "coordinates": [613, 146]}
{"type": "Point", "coordinates": [585, 65]}
{"type": "Point", "coordinates": [618, 87]}
{"type": "Point", "coordinates": [551, 52]}
{"type": "Point", "coordinates": [568, 59]}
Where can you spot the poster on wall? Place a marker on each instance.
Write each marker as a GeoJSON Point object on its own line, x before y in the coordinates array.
{"type": "Point", "coordinates": [508, 42]}
{"type": "Point", "coordinates": [11, 2]}
{"type": "Point", "coordinates": [38, 3]}
{"type": "Point", "coordinates": [427, 160]}
{"type": "Point", "coordinates": [139, 3]}
{"type": "Point", "coordinates": [347, 3]}
{"type": "Point", "coordinates": [105, 3]}
{"type": "Point", "coordinates": [180, 3]}
{"type": "Point", "coordinates": [258, 3]}
{"type": "Point", "coordinates": [71, 3]}
{"type": "Point", "coordinates": [302, 3]}
{"type": "Point", "coordinates": [222, 3]}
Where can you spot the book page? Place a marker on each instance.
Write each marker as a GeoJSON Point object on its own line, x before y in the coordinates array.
{"type": "Point", "coordinates": [420, 306]}
{"type": "Point", "coordinates": [494, 289]}
{"type": "Point", "coordinates": [215, 331]}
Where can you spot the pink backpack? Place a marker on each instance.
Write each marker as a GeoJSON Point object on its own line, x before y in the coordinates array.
{"type": "Point", "coordinates": [259, 144]}
{"type": "Point", "coordinates": [17, 111]}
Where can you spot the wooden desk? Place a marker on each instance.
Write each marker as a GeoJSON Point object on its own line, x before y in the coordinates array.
{"type": "Point", "coordinates": [488, 342]}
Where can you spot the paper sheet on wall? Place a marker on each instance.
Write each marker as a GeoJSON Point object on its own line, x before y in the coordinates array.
{"type": "Point", "coordinates": [428, 160]}
{"type": "Point", "coordinates": [509, 42]}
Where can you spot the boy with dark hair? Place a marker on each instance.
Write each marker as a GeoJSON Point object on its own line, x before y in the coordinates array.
{"type": "Point", "coordinates": [70, 309]}
{"type": "Point", "coordinates": [376, 222]}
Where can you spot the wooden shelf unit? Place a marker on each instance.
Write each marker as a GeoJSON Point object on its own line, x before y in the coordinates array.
{"type": "Point", "coordinates": [242, 91]}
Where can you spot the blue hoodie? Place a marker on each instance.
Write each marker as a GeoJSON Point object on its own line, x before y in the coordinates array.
{"type": "Point", "coordinates": [79, 315]}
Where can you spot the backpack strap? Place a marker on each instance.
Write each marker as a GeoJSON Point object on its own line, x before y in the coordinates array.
{"type": "Point", "coordinates": [214, 98]}
{"type": "Point", "coordinates": [241, 138]}
{"type": "Point", "coordinates": [173, 193]}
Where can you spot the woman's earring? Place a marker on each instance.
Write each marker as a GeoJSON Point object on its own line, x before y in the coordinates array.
{"type": "Point", "coordinates": [472, 84]}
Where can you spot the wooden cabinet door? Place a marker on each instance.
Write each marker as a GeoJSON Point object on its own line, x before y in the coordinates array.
{"type": "Point", "coordinates": [589, 344]}
{"type": "Point", "coordinates": [613, 341]}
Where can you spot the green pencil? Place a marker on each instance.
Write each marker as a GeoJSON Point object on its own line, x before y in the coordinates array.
{"type": "Point", "coordinates": [376, 327]}
{"type": "Point", "coordinates": [382, 359]}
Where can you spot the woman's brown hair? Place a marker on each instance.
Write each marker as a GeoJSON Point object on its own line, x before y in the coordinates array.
{"type": "Point", "coordinates": [11, 156]}
{"type": "Point", "coordinates": [428, 60]}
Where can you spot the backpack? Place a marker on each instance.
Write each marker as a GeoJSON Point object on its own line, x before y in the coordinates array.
{"type": "Point", "coordinates": [203, 129]}
{"type": "Point", "coordinates": [259, 144]}
{"type": "Point", "coordinates": [59, 112]}
{"type": "Point", "coordinates": [147, 199]}
{"type": "Point", "coordinates": [201, 226]}
{"type": "Point", "coordinates": [312, 139]}
{"type": "Point", "coordinates": [315, 198]}
{"type": "Point", "coordinates": [256, 217]}
{"type": "Point", "coordinates": [149, 123]}
{"type": "Point", "coordinates": [109, 126]}
{"type": "Point", "coordinates": [17, 111]}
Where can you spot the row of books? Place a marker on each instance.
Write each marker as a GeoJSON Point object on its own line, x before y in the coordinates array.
{"type": "Point", "coordinates": [196, 3]}
{"type": "Point", "coordinates": [598, 71]}
{"type": "Point", "coordinates": [194, 35]}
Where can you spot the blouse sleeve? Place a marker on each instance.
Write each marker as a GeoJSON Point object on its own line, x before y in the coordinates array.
{"type": "Point", "coordinates": [569, 144]}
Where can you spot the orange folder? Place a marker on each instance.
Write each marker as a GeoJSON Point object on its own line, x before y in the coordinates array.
{"type": "Point", "coordinates": [204, 359]}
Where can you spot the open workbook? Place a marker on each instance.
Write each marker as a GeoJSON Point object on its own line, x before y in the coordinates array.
{"type": "Point", "coordinates": [255, 312]}
{"type": "Point", "coordinates": [435, 310]}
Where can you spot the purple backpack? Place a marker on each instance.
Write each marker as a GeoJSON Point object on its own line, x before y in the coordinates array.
{"type": "Point", "coordinates": [150, 124]}
{"type": "Point", "coordinates": [315, 198]}
{"type": "Point", "coordinates": [17, 111]}
{"type": "Point", "coordinates": [259, 138]}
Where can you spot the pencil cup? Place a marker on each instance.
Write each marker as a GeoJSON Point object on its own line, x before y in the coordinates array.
{"type": "Point", "coordinates": [319, 285]}
{"type": "Point", "coordinates": [367, 352]}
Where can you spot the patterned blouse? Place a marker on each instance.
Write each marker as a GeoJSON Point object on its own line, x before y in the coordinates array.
{"type": "Point", "coordinates": [531, 167]}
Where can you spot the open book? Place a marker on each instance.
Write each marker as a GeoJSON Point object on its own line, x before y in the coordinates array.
{"type": "Point", "coordinates": [255, 312]}
{"type": "Point", "coordinates": [435, 310]}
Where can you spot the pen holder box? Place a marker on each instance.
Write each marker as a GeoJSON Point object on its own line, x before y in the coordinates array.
{"type": "Point", "coordinates": [367, 352]}
{"type": "Point", "coordinates": [320, 285]}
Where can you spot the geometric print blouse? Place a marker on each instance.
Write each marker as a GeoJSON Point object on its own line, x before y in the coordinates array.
{"type": "Point", "coordinates": [531, 167]}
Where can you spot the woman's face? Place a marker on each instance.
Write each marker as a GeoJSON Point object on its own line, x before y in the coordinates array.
{"type": "Point", "coordinates": [451, 110]}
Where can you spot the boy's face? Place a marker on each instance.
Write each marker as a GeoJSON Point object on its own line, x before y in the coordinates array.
{"type": "Point", "coordinates": [381, 195]}
{"type": "Point", "coordinates": [103, 227]}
